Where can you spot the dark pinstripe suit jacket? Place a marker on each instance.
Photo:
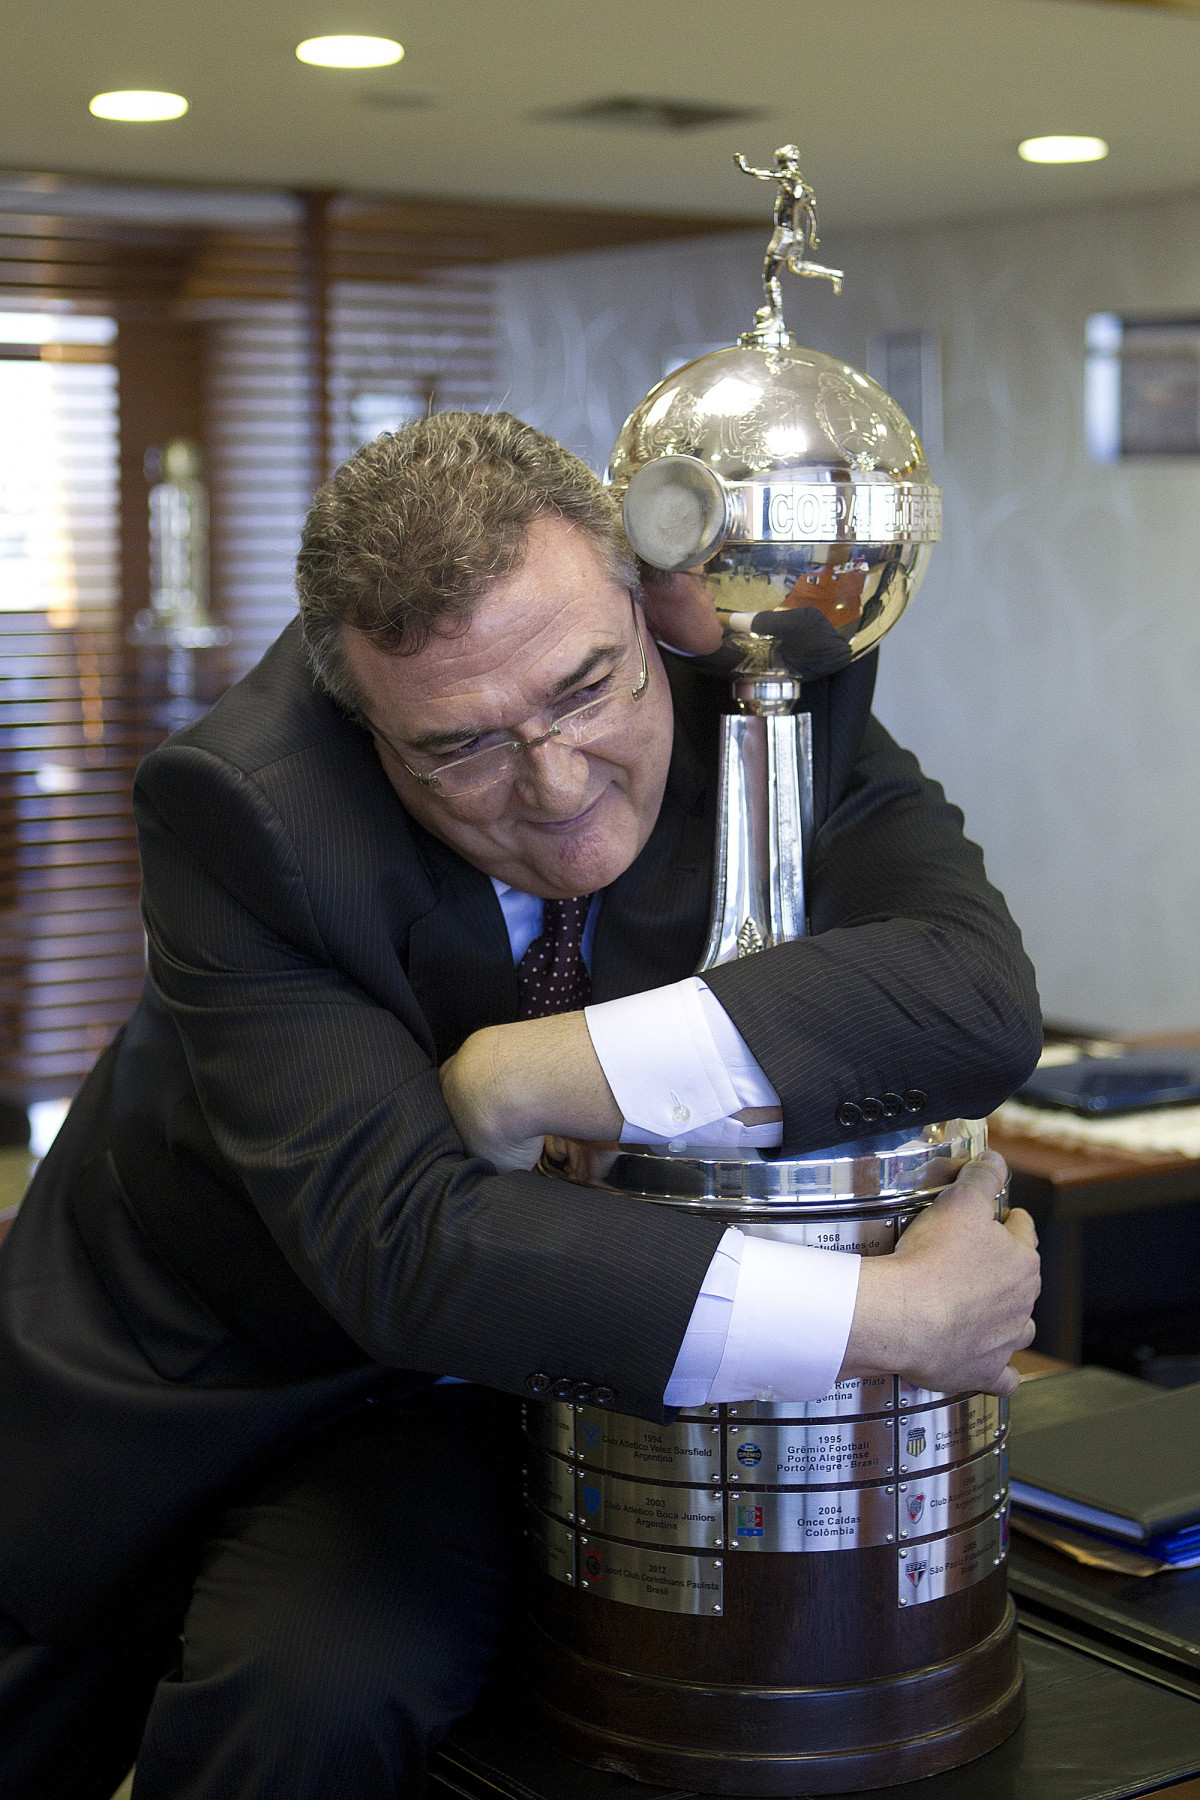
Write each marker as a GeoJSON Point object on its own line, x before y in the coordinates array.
{"type": "Point", "coordinates": [259, 1199]}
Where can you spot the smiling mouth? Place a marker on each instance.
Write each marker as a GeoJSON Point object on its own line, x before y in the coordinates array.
{"type": "Point", "coordinates": [573, 824]}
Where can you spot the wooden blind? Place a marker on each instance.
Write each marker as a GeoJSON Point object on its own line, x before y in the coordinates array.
{"type": "Point", "coordinates": [281, 331]}
{"type": "Point", "coordinates": [70, 937]}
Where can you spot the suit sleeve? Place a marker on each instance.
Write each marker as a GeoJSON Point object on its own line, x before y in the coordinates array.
{"type": "Point", "coordinates": [325, 1106]}
{"type": "Point", "coordinates": [914, 980]}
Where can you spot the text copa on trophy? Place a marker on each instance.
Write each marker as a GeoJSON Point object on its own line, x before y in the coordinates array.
{"type": "Point", "coordinates": [777, 1597]}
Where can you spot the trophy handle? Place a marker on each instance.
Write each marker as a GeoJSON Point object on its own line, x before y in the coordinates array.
{"type": "Point", "coordinates": [764, 828]}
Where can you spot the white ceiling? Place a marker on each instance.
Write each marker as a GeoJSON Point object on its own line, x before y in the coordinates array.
{"type": "Point", "coordinates": [902, 111]}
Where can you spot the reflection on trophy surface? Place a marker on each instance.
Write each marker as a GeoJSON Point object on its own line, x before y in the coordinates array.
{"type": "Point", "coordinates": [777, 1597]}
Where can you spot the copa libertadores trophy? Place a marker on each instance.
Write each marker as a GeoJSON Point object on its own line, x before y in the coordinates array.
{"type": "Point", "coordinates": [777, 1597]}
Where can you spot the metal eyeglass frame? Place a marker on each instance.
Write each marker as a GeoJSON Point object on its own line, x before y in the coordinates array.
{"type": "Point", "coordinates": [434, 783]}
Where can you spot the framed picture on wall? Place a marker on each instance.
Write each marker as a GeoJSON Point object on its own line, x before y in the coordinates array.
{"type": "Point", "coordinates": [1143, 387]}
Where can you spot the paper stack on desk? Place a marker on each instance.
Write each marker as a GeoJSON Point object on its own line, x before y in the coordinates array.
{"type": "Point", "coordinates": [1114, 1459]}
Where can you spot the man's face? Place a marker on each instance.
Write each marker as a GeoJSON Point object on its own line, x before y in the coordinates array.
{"type": "Point", "coordinates": [568, 820]}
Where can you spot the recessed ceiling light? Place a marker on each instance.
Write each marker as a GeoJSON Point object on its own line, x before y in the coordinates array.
{"type": "Point", "coordinates": [1063, 149]}
{"type": "Point", "coordinates": [350, 52]}
{"type": "Point", "coordinates": [138, 105]}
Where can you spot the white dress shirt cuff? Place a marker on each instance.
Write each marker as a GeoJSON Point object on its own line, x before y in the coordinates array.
{"type": "Point", "coordinates": [678, 1068]}
{"type": "Point", "coordinates": [771, 1322]}
{"type": "Point", "coordinates": [789, 1324]}
{"type": "Point", "coordinates": [704, 1340]}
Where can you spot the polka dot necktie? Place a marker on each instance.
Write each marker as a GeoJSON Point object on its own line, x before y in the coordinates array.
{"type": "Point", "coordinates": [552, 976]}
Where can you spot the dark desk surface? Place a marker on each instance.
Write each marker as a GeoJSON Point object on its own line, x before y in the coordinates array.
{"type": "Point", "coordinates": [1093, 1731]}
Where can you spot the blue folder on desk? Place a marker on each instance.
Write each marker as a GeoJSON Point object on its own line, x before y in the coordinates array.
{"type": "Point", "coordinates": [1130, 1474]}
{"type": "Point", "coordinates": [1099, 1086]}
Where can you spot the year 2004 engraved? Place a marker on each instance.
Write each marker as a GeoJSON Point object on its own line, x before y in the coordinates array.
{"type": "Point", "coordinates": [813, 1520]}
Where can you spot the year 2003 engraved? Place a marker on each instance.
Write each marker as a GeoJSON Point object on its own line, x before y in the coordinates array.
{"type": "Point", "coordinates": [652, 1514]}
{"type": "Point", "coordinates": [814, 1453]}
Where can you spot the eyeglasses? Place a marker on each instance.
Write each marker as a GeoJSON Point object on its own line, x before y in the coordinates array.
{"type": "Point", "coordinates": [496, 762]}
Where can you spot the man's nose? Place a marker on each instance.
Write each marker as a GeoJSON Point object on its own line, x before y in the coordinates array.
{"type": "Point", "coordinates": [550, 775]}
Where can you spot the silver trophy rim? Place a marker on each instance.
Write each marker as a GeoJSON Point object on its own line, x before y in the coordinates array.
{"type": "Point", "coordinates": [887, 1173]}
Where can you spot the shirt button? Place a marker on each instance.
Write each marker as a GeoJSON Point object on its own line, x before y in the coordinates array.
{"type": "Point", "coordinates": [848, 1114]}
{"type": "Point", "coordinates": [603, 1396]}
{"type": "Point", "coordinates": [681, 1114]}
{"type": "Point", "coordinates": [872, 1109]}
{"type": "Point", "coordinates": [538, 1383]}
{"type": "Point", "coordinates": [914, 1100]}
{"type": "Point", "coordinates": [581, 1392]}
{"type": "Point", "coordinates": [893, 1104]}
{"type": "Point", "coordinates": [563, 1388]}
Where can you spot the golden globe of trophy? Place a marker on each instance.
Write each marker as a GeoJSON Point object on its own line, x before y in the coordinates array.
{"type": "Point", "coordinates": [776, 1596]}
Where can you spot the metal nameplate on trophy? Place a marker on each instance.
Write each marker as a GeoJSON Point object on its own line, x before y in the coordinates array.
{"type": "Point", "coordinates": [864, 1237]}
{"type": "Point", "coordinates": [820, 1519]}
{"type": "Point", "coordinates": [853, 1398]}
{"type": "Point", "coordinates": [618, 1507]}
{"type": "Point", "coordinates": [550, 1484]}
{"type": "Point", "coordinates": [552, 1546]}
{"type": "Point", "coordinates": [681, 1452]}
{"type": "Point", "coordinates": [550, 1423]}
{"type": "Point", "coordinates": [948, 1500]}
{"type": "Point", "coordinates": [945, 1565]}
{"type": "Point", "coordinates": [944, 1434]}
{"type": "Point", "coordinates": [909, 1396]}
{"type": "Point", "coordinates": [662, 1580]}
{"type": "Point", "coordinates": [823, 1453]}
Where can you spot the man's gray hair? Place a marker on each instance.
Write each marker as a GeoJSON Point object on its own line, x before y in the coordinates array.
{"type": "Point", "coordinates": [405, 537]}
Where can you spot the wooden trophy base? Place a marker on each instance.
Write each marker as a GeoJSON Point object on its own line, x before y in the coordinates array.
{"type": "Point", "coordinates": [726, 1739]}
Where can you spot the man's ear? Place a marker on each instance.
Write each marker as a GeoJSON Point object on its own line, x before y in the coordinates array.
{"type": "Point", "coordinates": [679, 611]}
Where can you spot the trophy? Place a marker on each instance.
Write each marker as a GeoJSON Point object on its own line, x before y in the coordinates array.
{"type": "Point", "coordinates": [178, 618]}
{"type": "Point", "coordinates": [776, 1596]}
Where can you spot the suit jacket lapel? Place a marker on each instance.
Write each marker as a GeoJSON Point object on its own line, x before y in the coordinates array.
{"type": "Point", "coordinates": [460, 962]}
{"type": "Point", "coordinates": [653, 919]}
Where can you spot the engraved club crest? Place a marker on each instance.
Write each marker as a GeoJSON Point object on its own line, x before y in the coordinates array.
{"type": "Point", "coordinates": [915, 1505]}
{"type": "Point", "coordinates": [850, 421]}
{"type": "Point", "coordinates": [748, 1455]}
{"type": "Point", "coordinates": [591, 1499]}
{"type": "Point", "coordinates": [915, 1444]}
{"type": "Point", "coordinates": [593, 1567]}
{"type": "Point", "coordinates": [916, 1572]}
{"type": "Point", "coordinates": [749, 1521]}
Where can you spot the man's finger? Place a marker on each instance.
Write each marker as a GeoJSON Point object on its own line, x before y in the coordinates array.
{"type": "Point", "coordinates": [1022, 1227]}
{"type": "Point", "coordinates": [1008, 1383]}
{"type": "Point", "coordinates": [988, 1173]}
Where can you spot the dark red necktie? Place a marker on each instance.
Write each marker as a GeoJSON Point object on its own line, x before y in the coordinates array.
{"type": "Point", "coordinates": [552, 976]}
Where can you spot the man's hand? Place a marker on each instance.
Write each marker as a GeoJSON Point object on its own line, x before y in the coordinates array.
{"type": "Point", "coordinates": [950, 1306]}
{"type": "Point", "coordinates": [510, 1086]}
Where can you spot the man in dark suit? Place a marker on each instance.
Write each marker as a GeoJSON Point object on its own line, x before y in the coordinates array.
{"type": "Point", "coordinates": [298, 1190]}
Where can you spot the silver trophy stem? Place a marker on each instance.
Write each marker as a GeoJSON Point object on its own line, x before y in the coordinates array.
{"type": "Point", "coordinates": [764, 823]}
